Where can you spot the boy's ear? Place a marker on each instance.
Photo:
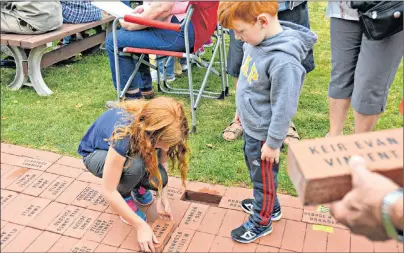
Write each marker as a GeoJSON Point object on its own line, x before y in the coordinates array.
{"type": "Point", "coordinates": [262, 19]}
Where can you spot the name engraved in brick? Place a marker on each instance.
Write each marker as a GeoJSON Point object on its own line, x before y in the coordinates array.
{"type": "Point", "coordinates": [63, 220]}
{"type": "Point", "coordinates": [5, 199]}
{"type": "Point", "coordinates": [31, 210]}
{"type": "Point", "coordinates": [180, 240]}
{"type": "Point", "coordinates": [101, 227]}
{"type": "Point", "coordinates": [5, 236]}
{"type": "Point", "coordinates": [34, 164]}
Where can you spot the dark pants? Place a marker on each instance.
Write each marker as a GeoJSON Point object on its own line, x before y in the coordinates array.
{"type": "Point", "coordinates": [134, 176]}
{"type": "Point", "coordinates": [299, 15]}
{"type": "Point", "coordinates": [264, 177]}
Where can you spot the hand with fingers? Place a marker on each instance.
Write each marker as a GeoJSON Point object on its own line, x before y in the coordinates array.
{"type": "Point", "coordinates": [163, 207]}
{"type": "Point", "coordinates": [270, 154]}
{"type": "Point", "coordinates": [146, 238]}
{"type": "Point", "coordinates": [360, 209]}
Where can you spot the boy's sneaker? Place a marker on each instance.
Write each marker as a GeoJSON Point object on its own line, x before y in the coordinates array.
{"type": "Point", "coordinates": [248, 232]}
{"type": "Point", "coordinates": [247, 206]}
{"type": "Point", "coordinates": [169, 79]}
{"type": "Point", "coordinates": [142, 196]}
{"type": "Point", "coordinates": [131, 204]}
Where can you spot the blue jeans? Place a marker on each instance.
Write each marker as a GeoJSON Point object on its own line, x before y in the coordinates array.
{"type": "Point", "coordinates": [264, 177]}
{"type": "Point", "coordinates": [151, 38]}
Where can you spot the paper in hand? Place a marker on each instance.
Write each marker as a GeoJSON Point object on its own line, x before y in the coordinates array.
{"type": "Point", "coordinates": [117, 9]}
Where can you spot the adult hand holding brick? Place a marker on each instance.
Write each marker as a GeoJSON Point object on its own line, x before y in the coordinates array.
{"type": "Point", "coordinates": [374, 206]}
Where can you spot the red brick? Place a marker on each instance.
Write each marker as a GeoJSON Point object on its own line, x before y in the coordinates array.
{"type": "Point", "coordinates": [400, 246]}
{"type": "Point", "coordinates": [178, 209]}
{"type": "Point", "coordinates": [105, 248]}
{"type": "Point", "coordinates": [275, 238]}
{"type": "Point", "coordinates": [291, 213]}
{"type": "Point", "coordinates": [265, 249]}
{"type": "Point", "coordinates": [100, 227]}
{"type": "Point", "coordinates": [4, 168]}
{"type": "Point", "coordinates": [59, 185]}
{"type": "Point", "coordinates": [315, 241]}
{"type": "Point", "coordinates": [23, 209]}
{"type": "Point", "coordinates": [40, 184]}
{"type": "Point", "coordinates": [175, 182]}
{"type": "Point", "coordinates": [232, 220]}
{"type": "Point", "coordinates": [82, 224]}
{"type": "Point", "coordinates": [63, 221]}
{"type": "Point", "coordinates": [85, 246]}
{"type": "Point", "coordinates": [72, 191]}
{"type": "Point", "coordinates": [3, 223]}
{"type": "Point", "coordinates": [239, 193]}
{"type": "Point", "coordinates": [117, 233]}
{"type": "Point", "coordinates": [361, 244]}
{"type": "Point", "coordinates": [10, 159]}
{"type": "Point", "coordinates": [293, 237]}
{"type": "Point", "coordinates": [222, 244]}
{"type": "Point", "coordinates": [212, 221]}
{"type": "Point", "coordinates": [231, 203]}
{"type": "Point", "coordinates": [387, 246]}
{"type": "Point", "coordinates": [338, 241]}
{"type": "Point", "coordinates": [64, 244]}
{"type": "Point", "coordinates": [10, 176]}
{"type": "Point", "coordinates": [91, 197]}
{"type": "Point", "coordinates": [151, 212]}
{"type": "Point", "coordinates": [23, 240]}
{"type": "Point", "coordinates": [179, 240]}
{"type": "Point", "coordinates": [124, 250]}
{"type": "Point", "coordinates": [290, 201]}
{"type": "Point", "coordinates": [110, 210]}
{"type": "Point", "coordinates": [43, 219]}
{"type": "Point", "coordinates": [64, 170]}
{"type": "Point", "coordinates": [131, 242]}
{"type": "Point", "coordinates": [72, 162]}
{"type": "Point", "coordinates": [7, 197]}
{"type": "Point", "coordinates": [286, 251]}
{"type": "Point", "coordinates": [24, 180]}
{"type": "Point", "coordinates": [244, 247]}
{"type": "Point", "coordinates": [89, 178]}
{"type": "Point", "coordinates": [194, 216]}
{"type": "Point", "coordinates": [206, 188]}
{"type": "Point", "coordinates": [33, 164]}
{"type": "Point", "coordinates": [44, 242]}
{"type": "Point", "coordinates": [201, 242]}
{"type": "Point", "coordinates": [174, 193]}
{"type": "Point", "coordinates": [29, 152]}
{"type": "Point", "coordinates": [8, 233]}
{"type": "Point", "coordinates": [321, 218]}
{"type": "Point", "coordinates": [162, 229]}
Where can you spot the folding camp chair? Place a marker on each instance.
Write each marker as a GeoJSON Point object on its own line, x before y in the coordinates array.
{"type": "Point", "coordinates": [140, 53]}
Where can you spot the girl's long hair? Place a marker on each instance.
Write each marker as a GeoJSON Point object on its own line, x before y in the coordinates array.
{"type": "Point", "coordinates": [158, 120]}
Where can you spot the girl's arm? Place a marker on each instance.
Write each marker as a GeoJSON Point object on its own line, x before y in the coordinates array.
{"type": "Point", "coordinates": [112, 173]}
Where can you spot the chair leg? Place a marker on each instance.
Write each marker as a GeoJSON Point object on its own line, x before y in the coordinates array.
{"type": "Point", "coordinates": [191, 95]}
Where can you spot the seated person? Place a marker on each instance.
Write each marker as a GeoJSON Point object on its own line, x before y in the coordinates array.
{"type": "Point", "coordinates": [134, 35]}
{"type": "Point", "coordinates": [30, 17]}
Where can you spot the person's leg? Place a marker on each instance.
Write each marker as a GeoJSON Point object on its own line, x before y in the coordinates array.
{"type": "Point", "coordinates": [376, 68]}
{"type": "Point", "coordinates": [346, 37]}
{"type": "Point", "coordinates": [147, 38]}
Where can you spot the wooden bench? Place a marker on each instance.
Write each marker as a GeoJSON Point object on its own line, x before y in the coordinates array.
{"type": "Point", "coordinates": [39, 56]}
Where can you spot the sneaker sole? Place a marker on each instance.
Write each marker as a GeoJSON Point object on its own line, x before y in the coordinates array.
{"type": "Point", "coordinates": [245, 242]}
{"type": "Point", "coordinates": [250, 212]}
{"type": "Point", "coordinates": [140, 204]}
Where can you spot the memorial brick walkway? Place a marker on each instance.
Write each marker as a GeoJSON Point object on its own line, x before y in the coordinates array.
{"type": "Point", "coordinates": [50, 203]}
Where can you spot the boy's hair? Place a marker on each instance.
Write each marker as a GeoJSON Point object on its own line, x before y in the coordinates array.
{"type": "Point", "coordinates": [244, 11]}
{"type": "Point", "coordinates": [158, 120]}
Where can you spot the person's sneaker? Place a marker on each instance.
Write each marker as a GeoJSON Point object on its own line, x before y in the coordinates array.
{"type": "Point", "coordinates": [247, 206]}
{"type": "Point", "coordinates": [142, 196]}
{"type": "Point", "coordinates": [169, 79]}
{"type": "Point", "coordinates": [132, 205]}
{"type": "Point", "coordinates": [184, 67]}
{"type": "Point", "coordinates": [248, 232]}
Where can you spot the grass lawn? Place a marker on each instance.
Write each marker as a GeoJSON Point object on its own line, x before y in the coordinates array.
{"type": "Point", "coordinates": [57, 123]}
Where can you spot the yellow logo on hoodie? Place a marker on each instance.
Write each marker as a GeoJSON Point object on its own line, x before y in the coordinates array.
{"type": "Point", "coordinates": [251, 74]}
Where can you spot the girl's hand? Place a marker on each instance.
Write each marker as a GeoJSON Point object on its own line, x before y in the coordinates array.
{"type": "Point", "coordinates": [163, 208]}
{"type": "Point", "coordinates": [146, 237]}
{"type": "Point", "coordinates": [126, 25]}
{"type": "Point", "coordinates": [269, 154]}
{"type": "Point", "coordinates": [138, 10]}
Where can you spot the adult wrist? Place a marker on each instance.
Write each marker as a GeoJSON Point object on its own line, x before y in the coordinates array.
{"type": "Point", "coordinates": [390, 216]}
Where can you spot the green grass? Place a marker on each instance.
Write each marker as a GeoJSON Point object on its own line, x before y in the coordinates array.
{"type": "Point", "coordinates": [57, 123]}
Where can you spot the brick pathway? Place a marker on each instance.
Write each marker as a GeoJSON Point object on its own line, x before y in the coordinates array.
{"type": "Point", "coordinates": [50, 203]}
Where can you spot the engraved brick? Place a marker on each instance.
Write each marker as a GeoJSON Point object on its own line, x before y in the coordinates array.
{"type": "Point", "coordinates": [72, 162]}
{"type": "Point", "coordinates": [84, 246]}
{"type": "Point", "coordinates": [23, 240]}
{"type": "Point", "coordinates": [44, 242]}
{"type": "Point", "coordinates": [63, 170]}
{"type": "Point", "coordinates": [4, 168]}
{"type": "Point", "coordinates": [63, 221]}
{"type": "Point", "coordinates": [7, 197]}
{"type": "Point", "coordinates": [100, 228]}
{"type": "Point", "coordinates": [117, 233]}
{"type": "Point", "coordinates": [131, 242]}
{"type": "Point", "coordinates": [174, 193]}
{"type": "Point", "coordinates": [8, 233]}
{"type": "Point", "coordinates": [162, 229]}
{"type": "Point", "coordinates": [64, 244]}
{"type": "Point", "coordinates": [194, 216]}
{"type": "Point", "coordinates": [33, 164]}
{"type": "Point", "coordinates": [105, 248]}
{"type": "Point", "coordinates": [321, 218]}
{"type": "Point", "coordinates": [180, 240]}
{"type": "Point", "coordinates": [72, 191]}
{"type": "Point", "coordinates": [57, 187]}
{"type": "Point", "coordinates": [43, 219]}
{"type": "Point", "coordinates": [82, 224]}
{"type": "Point", "coordinates": [10, 159]}
{"type": "Point", "coordinates": [24, 180]}
{"type": "Point", "coordinates": [91, 197]}
{"type": "Point", "coordinates": [11, 175]}
{"type": "Point", "coordinates": [40, 184]}
{"type": "Point", "coordinates": [231, 202]}
{"type": "Point", "coordinates": [89, 178]}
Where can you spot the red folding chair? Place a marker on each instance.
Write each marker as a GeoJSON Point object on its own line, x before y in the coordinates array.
{"type": "Point", "coordinates": [194, 14]}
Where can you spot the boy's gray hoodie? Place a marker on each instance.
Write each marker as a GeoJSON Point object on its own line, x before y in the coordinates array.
{"type": "Point", "coordinates": [270, 81]}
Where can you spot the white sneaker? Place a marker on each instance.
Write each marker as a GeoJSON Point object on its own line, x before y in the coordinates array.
{"type": "Point", "coordinates": [169, 79]}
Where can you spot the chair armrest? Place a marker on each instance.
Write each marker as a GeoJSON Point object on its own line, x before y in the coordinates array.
{"type": "Point", "coordinates": [152, 23]}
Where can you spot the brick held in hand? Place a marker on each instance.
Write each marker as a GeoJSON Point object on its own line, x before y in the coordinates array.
{"type": "Point", "coordinates": [163, 230]}
{"type": "Point", "coordinates": [319, 169]}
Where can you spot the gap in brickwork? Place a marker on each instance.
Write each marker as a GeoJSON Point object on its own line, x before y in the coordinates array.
{"type": "Point", "coordinates": [201, 197]}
